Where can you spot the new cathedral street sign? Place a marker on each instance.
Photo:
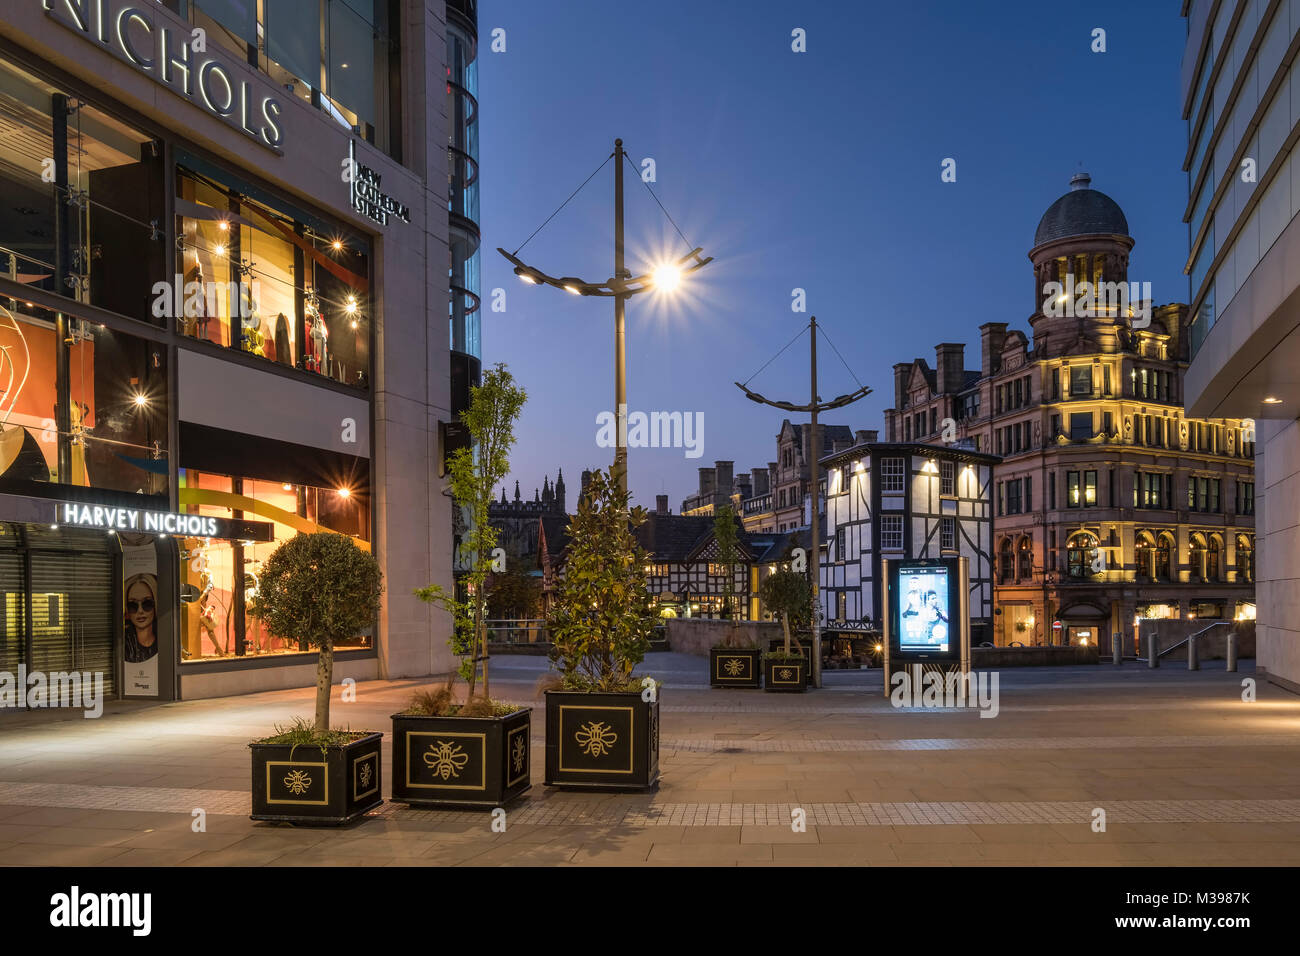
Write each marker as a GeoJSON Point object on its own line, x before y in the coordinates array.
{"type": "Point", "coordinates": [367, 198]}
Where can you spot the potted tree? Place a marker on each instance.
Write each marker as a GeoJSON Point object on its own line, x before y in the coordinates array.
{"type": "Point", "coordinates": [788, 596]}
{"type": "Point", "coordinates": [734, 662]}
{"type": "Point", "coordinates": [474, 754]}
{"type": "Point", "coordinates": [318, 588]}
{"type": "Point", "coordinates": [602, 724]}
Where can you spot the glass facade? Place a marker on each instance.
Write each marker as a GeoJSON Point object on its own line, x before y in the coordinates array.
{"type": "Point", "coordinates": [220, 577]}
{"type": "Point", "coordinates": [264, 281]}
{"type": "Point", "coordinates": [342, 56]}
{"type": "Point", "coordinates": [463, 198]}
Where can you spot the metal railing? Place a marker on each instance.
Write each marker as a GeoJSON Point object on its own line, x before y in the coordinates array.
{"type": "Point", "coordinates": [1193, 657]}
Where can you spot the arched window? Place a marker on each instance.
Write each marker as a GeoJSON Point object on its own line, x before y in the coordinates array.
{"type": "Point", "coordinates": [1144, 556]}
{"type": "Point", "coordinates": [1080, 552]}
{"type": "Point", "coordinates": [1006, 561]}
{"type": "Point", "coordinates": [1164, 557]}
{"type": "Point", "coordinates": [1196, 557]}
{"type": "Point", "coordinates": [1213, 558]}
{"type": "Point", "coordinates": [1245, 558]}
{"type": "Point", "coordinates": [1024, 559]}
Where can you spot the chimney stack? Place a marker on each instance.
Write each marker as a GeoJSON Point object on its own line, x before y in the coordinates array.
{"type": "Point", "coordinates": [949, 360]}
{"type": "Point", "coordinates": [722, 481]}
{"type": "Point", "coordinates": [661, 504]}
{"type": "Point", "coordinates": [759, 482]}
{"type": "Point", "coordinates": [992, 335]}
{"type": "Point", "coordinates": [707, 486]}
{"type": "Point", "coordinates": [901, 372]}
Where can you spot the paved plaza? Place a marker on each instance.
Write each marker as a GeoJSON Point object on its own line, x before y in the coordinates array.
{"type": "Point", "coordinates": [1185, 771]}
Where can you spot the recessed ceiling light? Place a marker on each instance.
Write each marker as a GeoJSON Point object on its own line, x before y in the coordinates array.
{"type": "Point", "coordinates": [1271, 400]}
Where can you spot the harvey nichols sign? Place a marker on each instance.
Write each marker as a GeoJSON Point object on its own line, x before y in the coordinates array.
{"type": "Point", "coordinates": [171, 55]}
{"type": "Point", "coordinates": [105, 518]}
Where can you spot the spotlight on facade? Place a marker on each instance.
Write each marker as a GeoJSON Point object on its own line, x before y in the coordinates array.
{"type": "Point", "coordinates": [350, 306]}
{"type": "Point", "coordinates": [1272, 400]}
{"type": "Point", "coordinates": [287, 487]}
{"type": "Point", "coordinates": [345, 492]}
{"type": "Point", "coordinates": [223, 225]}
{"type": "Point", "coordinates": [337, 245]}
{"type": "Point", "coordinates": [220, 250]}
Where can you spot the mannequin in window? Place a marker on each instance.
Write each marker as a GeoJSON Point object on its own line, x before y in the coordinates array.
{"type": "Point", "coordinates": [316, 348]}
{"type": "Point", "coordinates": [250, 321]}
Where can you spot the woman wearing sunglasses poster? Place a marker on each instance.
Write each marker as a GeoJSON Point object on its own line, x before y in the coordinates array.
{"type": "Point", "coordinates": [141, 618]}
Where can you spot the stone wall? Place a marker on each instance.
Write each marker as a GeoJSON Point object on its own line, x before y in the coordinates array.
{"type": "Point", "coordinates": [1210, 646]}
{"type": "Point", "coordinates": [696, 636]}
{"type": "Point", "coordinates": [992, 658]}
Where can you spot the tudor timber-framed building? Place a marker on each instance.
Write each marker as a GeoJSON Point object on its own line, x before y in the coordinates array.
{"type": "Point", "coordinates": [1110, 503]}
{"type": "Point", "coordinates": [899, 501]}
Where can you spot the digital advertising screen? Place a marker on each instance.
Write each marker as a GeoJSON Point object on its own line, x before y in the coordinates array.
{"type": "Point", "coordinates": [924, 619]}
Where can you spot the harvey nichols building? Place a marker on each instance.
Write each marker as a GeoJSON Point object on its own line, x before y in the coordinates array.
{"type": "Point", "coordinates": [238, 301]}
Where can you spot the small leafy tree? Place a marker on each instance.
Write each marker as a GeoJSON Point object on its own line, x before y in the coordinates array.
{"type": "Point", "coordinates": [724, 534]}
{"type": "Point", "coordinates": [788, 595]}
{"type": "Point", "coordinates": [475, 472]}
{"type": "Point", "coordinates": [319, 588]}
{"type": "Point", "coordinates": [601, 619]}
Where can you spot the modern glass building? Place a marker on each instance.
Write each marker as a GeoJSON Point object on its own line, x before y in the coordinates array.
{"type": "Point", "coordinates": [216, 329]}
{"type": "Point", "coordinates": [1241, 99]}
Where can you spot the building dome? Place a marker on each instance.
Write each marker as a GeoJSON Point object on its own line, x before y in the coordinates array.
{"type": "Point", "coordinates": [1083, 211]}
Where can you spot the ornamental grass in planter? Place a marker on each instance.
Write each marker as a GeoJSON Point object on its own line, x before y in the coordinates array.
{"type": "Point", "coordinates": [602, 723]}
{"type": "Point", "coordinates": [319, 588]}
{"type": "Point", "coordinates": [475, 754]}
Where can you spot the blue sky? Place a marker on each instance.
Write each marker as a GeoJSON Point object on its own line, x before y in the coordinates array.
{"type": "Point", "coordinates": [817, 170]}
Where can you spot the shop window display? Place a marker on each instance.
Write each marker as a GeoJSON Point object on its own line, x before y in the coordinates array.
{"type": "Point", "coordinates": [270, 285]}
{"type": "Point", "coordinates": [219, 578]}
{"type": "Point", "coordinates": [105, 426]}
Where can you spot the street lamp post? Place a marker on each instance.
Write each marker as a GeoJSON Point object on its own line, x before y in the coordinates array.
{"type": "Point", "coordinates": [814, 406]}
{"type": "Point", "coordinates": [621, 287]}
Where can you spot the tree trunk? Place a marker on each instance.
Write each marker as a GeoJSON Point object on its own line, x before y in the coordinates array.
{"type": "Point", "coordinates": [785, 628]}
{"type": "Point", "coordinates": [324, 682]}
{"type": "Point", "coordinates": [482, 642]}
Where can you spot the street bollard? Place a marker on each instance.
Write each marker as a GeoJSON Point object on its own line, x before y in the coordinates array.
{"type": "Point", "coordinates": [1193, 663]}
{"type": "Point", "coordinates": [1117, 647]}
{"type": "Point", "coordinates": [1232, 651]}
{"type": "Point", "coordinates": [1153, 653]}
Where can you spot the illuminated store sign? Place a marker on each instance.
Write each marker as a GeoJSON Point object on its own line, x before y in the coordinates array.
{"type": "Point", "coordinates": [367, 198]}
{"type": "Point", "coordinates": [105, 518]}
{"type": "Point", "coordinates": [175, 58]}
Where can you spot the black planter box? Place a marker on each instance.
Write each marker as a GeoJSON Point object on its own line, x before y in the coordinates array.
{"type": "Point", "coordinates": [778, 646]}
{"type": "Point", "coordinates": [461, 761]}
{"type": "Point", "coordinates": [307, 785]}
{"type": "Point", "coordinates": [735, 667]}
{"type": "Point", "coordinates": [601, 741]}
{"type": "Point", "coordinates": [789, 675]}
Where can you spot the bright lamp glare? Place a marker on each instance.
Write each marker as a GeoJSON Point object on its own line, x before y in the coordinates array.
{"type": "Point", "coordinates": [667, 278]}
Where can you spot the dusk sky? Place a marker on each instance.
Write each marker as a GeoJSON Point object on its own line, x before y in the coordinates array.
{"type": "Point", "coordinates": [817, 170]}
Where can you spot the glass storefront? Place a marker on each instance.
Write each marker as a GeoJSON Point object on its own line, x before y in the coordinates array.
{"type": "Point", "coordinates": [219, 577]}
{"type": "Point", "coordinates": [80, 404]}
{"type": "Point", "coordinates": [269, 283]}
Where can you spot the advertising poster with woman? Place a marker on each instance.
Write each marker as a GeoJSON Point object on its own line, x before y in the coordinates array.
{"type": "Point", "coordinates": [139, 620]}
{"type": "Point", "coordinates": [924, 620]}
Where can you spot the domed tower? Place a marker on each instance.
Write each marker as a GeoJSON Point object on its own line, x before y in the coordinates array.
{"type": "Point", "coordinates": [1083, 237]}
